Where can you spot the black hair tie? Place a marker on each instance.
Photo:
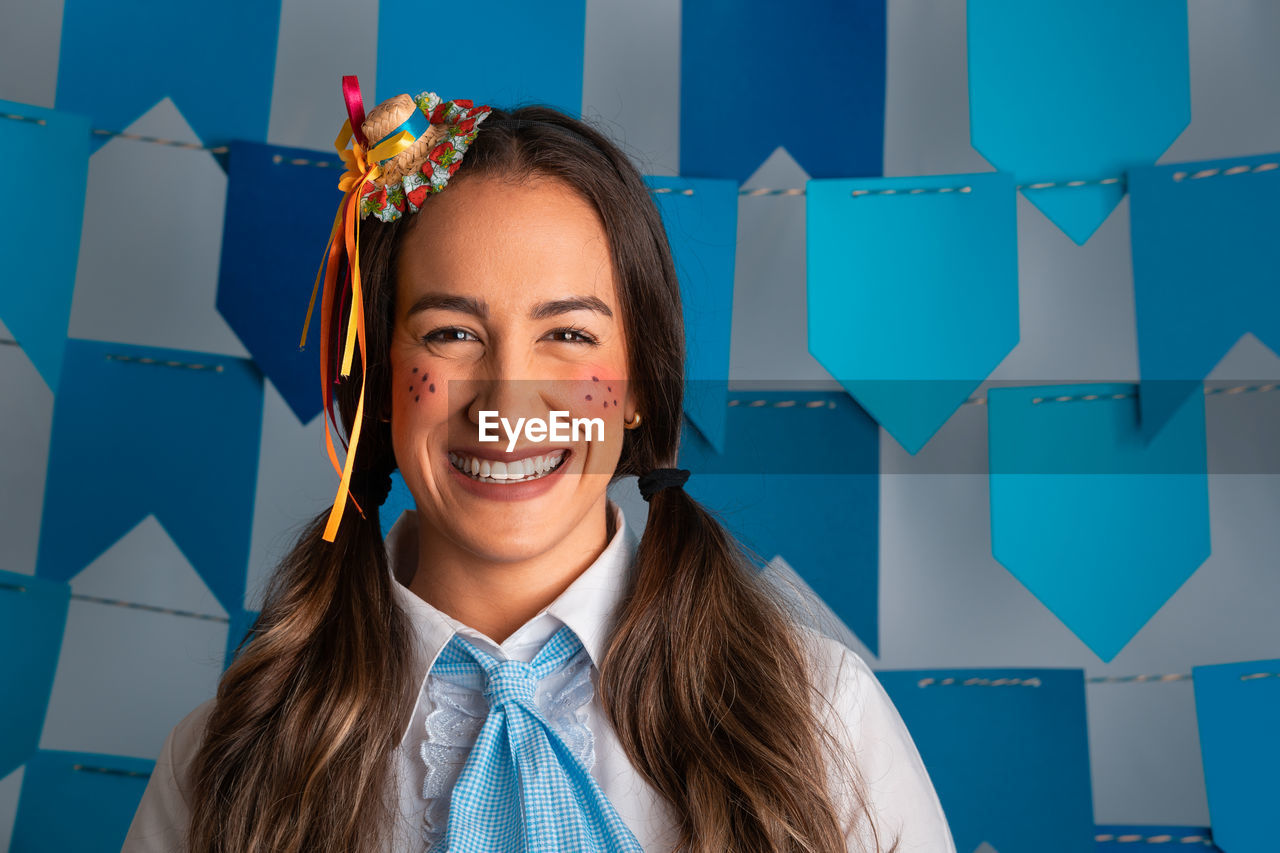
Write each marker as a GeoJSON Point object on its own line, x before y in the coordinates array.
{"type": "Point", "coordinates": [662, 478]}
{"type": "Point", "coordinates": [371, 486]}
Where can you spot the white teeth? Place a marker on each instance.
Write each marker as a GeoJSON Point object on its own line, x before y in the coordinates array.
{"type": "Point", "coordinates": [521, 470]}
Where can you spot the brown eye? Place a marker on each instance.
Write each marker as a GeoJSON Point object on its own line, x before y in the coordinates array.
{"type": "Point", "coordinates": [448, 335]}
{"type": "Point", "coordinates": [572, 336]}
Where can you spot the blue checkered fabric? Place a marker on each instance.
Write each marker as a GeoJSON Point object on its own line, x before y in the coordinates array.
{"type": "Point", "coordinates": [522, 789]}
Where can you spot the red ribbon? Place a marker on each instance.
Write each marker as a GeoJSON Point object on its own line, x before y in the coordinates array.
{"type": "Point", "coordinates": [355, 107]}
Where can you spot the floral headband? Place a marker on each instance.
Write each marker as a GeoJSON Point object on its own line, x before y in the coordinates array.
{"type": "Point", "coordinates": [406, 149]}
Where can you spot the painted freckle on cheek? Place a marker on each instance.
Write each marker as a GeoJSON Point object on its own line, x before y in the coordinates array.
{"type": "Point", "coordinates": [432, 388]}
{"type": "Point", "coordinates": [595, 379]}
{"type": "Point", "coordinates": [588, 398]}
{"type": "Point", "coordinates": [417, 398]}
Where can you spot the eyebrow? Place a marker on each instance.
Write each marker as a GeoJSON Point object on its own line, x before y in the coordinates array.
{"type": "Point", "coordinates": [478, 308]}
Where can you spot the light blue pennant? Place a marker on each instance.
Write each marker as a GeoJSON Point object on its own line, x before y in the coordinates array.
{"type": "Point", "coordinates": [1099, 526]}
{"type": "Point", "coordinates": [808, 77]}
{"type": "Point", "coordinates": [1076, 90]}
{"type": "Point", "coordinates": [215, 60]}
{"type": "Point", "coordinates": [532, 53]}
{"type": "Point", "coordinates": [269, 262]}
{"type": "Point", "coordinates": [78, 801]}
{"type": "Point", "coordinates": [1237, 706]}
{"type": "Point", "coordinates": [1007, 751]}
{"type": "Point", "coordinates": [33, 614]}
{"type": "Point", "coordinates": [701, 219]}
{"type": "Point", "coordinates": [144, 430]}
{"type": "Point", "coordinates": [797, 466]}
{"type": "Point", "coordinates": [1206, 269]}
{"type": "Point", "coordinates": [913, 291]}
{"type": "Point", "coordinates": [40, 219]}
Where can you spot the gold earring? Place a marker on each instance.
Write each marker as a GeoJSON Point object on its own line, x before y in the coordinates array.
{"type": "Point", "coordinates": [633, 423]}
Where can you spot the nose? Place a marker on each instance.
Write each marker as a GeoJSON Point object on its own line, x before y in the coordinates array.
{"type": "Point", "coordinates": [505, 383]}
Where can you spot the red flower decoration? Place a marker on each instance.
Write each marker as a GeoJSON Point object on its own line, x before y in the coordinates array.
{"type": "Point", "coordinates": [466, 125]}
{"type": "Point", "coordinates": [418, 196]}
{"type": "Point", "coordinates": [453, 167]}
{"type": "Point", "coordinates": [439, 150]}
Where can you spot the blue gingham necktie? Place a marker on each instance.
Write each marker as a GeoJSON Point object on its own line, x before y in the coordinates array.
{"type": "Point", "coordinates": [522, 788]}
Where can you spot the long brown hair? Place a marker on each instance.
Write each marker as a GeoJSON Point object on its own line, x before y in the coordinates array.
{"type": "Point", "coordinates": [704, 679]}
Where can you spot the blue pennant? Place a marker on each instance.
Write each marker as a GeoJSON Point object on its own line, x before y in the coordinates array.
{"type": "Point", "coordinates": [399, 499]}
{"type": "Point", "coordinates": [532, 53]}
{"type": "Point", "coordinates": [910, 326]}
{"type": "Point", "coordinates": [241, 623]}
{"type": "Point", "coordinates": [1100, 527]}
{"type": "Point", "coordinates": [701, 219]}
{"type": "Point", "coordinates": [1058, 92]}
{"type": "Point", "coordinates": [1007, 751]}
{"type": "Point", "coordinates": [796, 467]}
{"type": "Point", "coordinates": [747, 65]}
{"type": "Point", "coordinates": [33, 614]}
{"type": "Point", "coordinates": [38, 252]}
{"type": "Point", "coordinates": [215, 60]}
{"type": "Point", "coordinates": [269, 262]}
{"type": "Point", "coordinates": [1120, 838]}
{"type": "Point", "coordinates": [1205, 261]}
{"type": "Point", "coordinates": [78, 801]}
{"type": "Point", "coordinates": [134, 436]}
{"type": "Point", "coordinates": [1237, 706]}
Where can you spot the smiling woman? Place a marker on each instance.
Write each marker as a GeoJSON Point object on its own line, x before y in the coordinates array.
{"type": "Point", "coordinates": [511, 669]}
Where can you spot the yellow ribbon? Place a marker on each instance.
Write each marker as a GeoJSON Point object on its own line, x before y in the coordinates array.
{"type": "Point", "coordinates": [361, 166]}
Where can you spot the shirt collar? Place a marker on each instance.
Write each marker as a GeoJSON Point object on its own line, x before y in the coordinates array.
{"type": "Point", "coordinates": [587, 605]}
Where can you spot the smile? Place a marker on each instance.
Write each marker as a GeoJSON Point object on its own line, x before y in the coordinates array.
{"type": "Point", "coordinates": [517, 471]}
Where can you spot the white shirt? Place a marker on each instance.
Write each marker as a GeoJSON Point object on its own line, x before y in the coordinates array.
{"type": "Point", "coordinates": [895, 781]}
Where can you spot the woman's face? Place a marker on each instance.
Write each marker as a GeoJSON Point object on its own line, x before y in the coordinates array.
{"type": "Point", "coordinates": [506, 305]}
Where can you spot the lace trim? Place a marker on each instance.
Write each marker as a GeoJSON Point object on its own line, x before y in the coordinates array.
{"type": "Point", "coordinates": [458, 711]}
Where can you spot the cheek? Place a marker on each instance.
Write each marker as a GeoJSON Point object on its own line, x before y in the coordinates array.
{"type": "Point", "coordinates": [598, 390]}
{"type": "Point", "coordinates": [416, 387]}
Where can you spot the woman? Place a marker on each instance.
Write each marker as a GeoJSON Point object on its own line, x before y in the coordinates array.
{"type": "Point", "coordinates": [669, 703]}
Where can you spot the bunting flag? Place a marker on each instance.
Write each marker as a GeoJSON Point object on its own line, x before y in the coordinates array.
{"type": "Point", "coordinates": [1100, 527]}
{"type": "Point", "coordinates": [38, 253]}
{"type": "Point", "coordinates": [269, 261]}
{"type": "Point", "coordinates": [239, 629]}
{"type": "Point", "coordinates": [743, 64]}
{"type": "Point", "coordinates": [33, 614]}
{"type": "Point", "coordinates": [78, 801]}
{"type": "Point", "coordinates": [1237, 705]}
{"type": "Point", "coordinates": [216, 60]}
{"type": "Point", "coordinates": [910, 326]}
{"type": "Point", "coordinates": [1060, 96]}
{"type": "Point", "coordinates": [532, 53]}
{"type": "Point", "coordinates": [140, 431]}
{"type": "Point", "coordinates": [399, 500]}
{"type": "Point", "coordinates": [1206, 269]}
{"type": "Point", "coordinates": [818, 473]}
{"type": "Point", "coordinates": [1121, 838]}
{"type": "Point", "coordinates": [1007, 751]}
{"type": "Point", "coordinates": [701, 219]}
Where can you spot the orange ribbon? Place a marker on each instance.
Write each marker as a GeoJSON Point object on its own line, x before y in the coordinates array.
{"type": "Point", "coordinates": [344, 238]}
